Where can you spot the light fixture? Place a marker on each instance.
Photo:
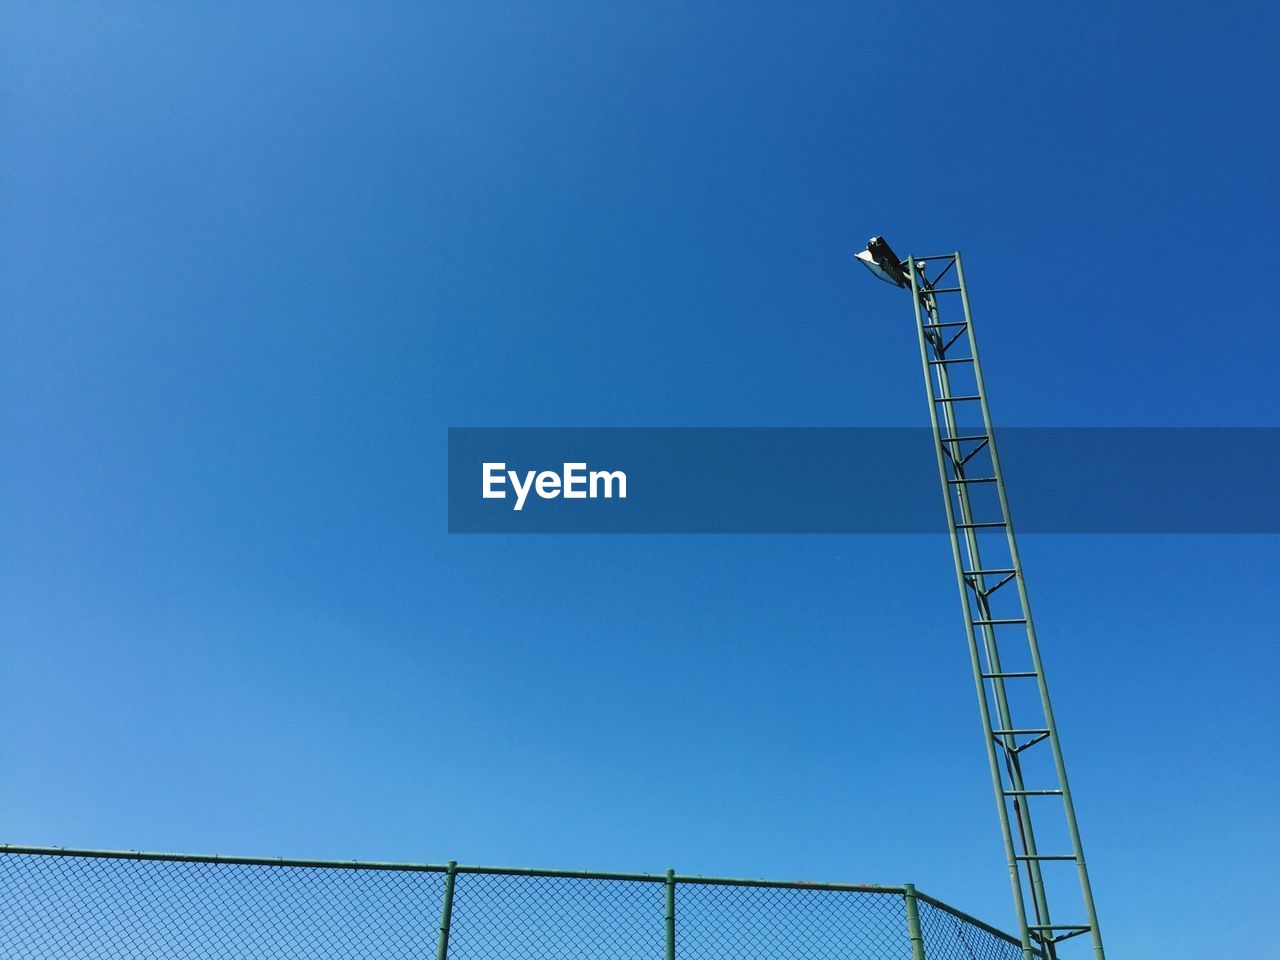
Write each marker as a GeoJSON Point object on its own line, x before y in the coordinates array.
{"type": "Point", "coordinates": [880, 259]}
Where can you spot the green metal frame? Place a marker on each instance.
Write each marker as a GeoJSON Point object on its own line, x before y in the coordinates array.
{"type": "Point", "coordinates": [914, 931]}
{"type": "Point", "coordinates": [446, 910]}
{"type": "Point", "coordinates": [967, 458]}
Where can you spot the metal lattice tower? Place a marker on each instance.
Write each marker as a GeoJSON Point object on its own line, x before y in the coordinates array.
{"type": "Point", "coordinates": [1027, 768]}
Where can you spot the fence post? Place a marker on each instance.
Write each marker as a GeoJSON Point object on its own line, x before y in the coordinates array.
{"type": "Point", "coordinates": [671, 915]}
{"type": "Point", "coordinates": [913, 922]}
{"type": "Point", "coordinates": [446, 911]}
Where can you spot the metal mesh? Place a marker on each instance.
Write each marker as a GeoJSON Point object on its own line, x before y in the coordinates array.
{"type": "Point", "coordinates": [76, 908]}
{"type": "Point", "coordinates": [747, 923]}
{"type": "Point", "coordinates": [93, 906]}
{"type": "Point", "coordinates": [951, 937]}
{"type": "Point", "coordinates": [506, 916]}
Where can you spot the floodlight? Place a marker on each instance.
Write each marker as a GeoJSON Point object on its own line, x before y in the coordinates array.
{"type": "Point", "coordinates": [880, 259]}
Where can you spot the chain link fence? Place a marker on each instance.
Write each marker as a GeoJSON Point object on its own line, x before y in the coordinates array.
{"type": "Point", "coordinates": [95, 905]}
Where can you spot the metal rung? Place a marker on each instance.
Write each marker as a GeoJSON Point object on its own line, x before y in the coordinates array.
{"type": "Point", "coordinates": [1006, 676]}
{"type": "Point", "coordinates": [1059, 926]}
{"type": "Point", "coordinates": [998, 623]}
{"type": "Point", "coordinates": [953, 399]}
{"type": "Point", "coordinates": [1032, 793]}
{"type": "Point", "coordinates": [981, 525]}
{"type": "Point", "coordinates": [993, 572]}
{"type": "Point", "coordinates": [1019, 731]}
{"type": "Point", "coordinates": [939, 326]}
{"type": "Point", "coordinates": [980, 436]}
{"type": "Point", "coordinates": [1041, 856]}
{"type": "Point", "coordinates": [942, 290]}
{"type": "Point", "coordinates": [939, 363]}
{"type": "Point", "coordinates": [974, 480]}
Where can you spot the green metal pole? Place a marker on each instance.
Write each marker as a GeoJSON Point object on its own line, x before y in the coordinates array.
{"type": "Point", "coordinates": [446, 911]}
{"type": "Point", "coordinates": [913, 922]}
{"type": "Point", "coordinates": [671, 915]}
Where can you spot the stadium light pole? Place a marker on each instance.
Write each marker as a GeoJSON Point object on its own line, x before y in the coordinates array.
{"type": "Point", "coordinates": [986, 558]}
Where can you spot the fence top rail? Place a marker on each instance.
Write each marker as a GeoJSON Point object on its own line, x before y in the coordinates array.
{"type": "Point", "coordinates": [72, 852]}
{"type": "Point", "coordinates": [9, 848]}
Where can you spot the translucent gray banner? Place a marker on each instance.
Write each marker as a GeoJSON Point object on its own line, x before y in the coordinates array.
{"type": "Point", "coordinates": [854, 480]}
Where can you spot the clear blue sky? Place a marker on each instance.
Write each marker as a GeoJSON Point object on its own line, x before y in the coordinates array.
{"type": "Point", "coordinates": [255, 262]}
